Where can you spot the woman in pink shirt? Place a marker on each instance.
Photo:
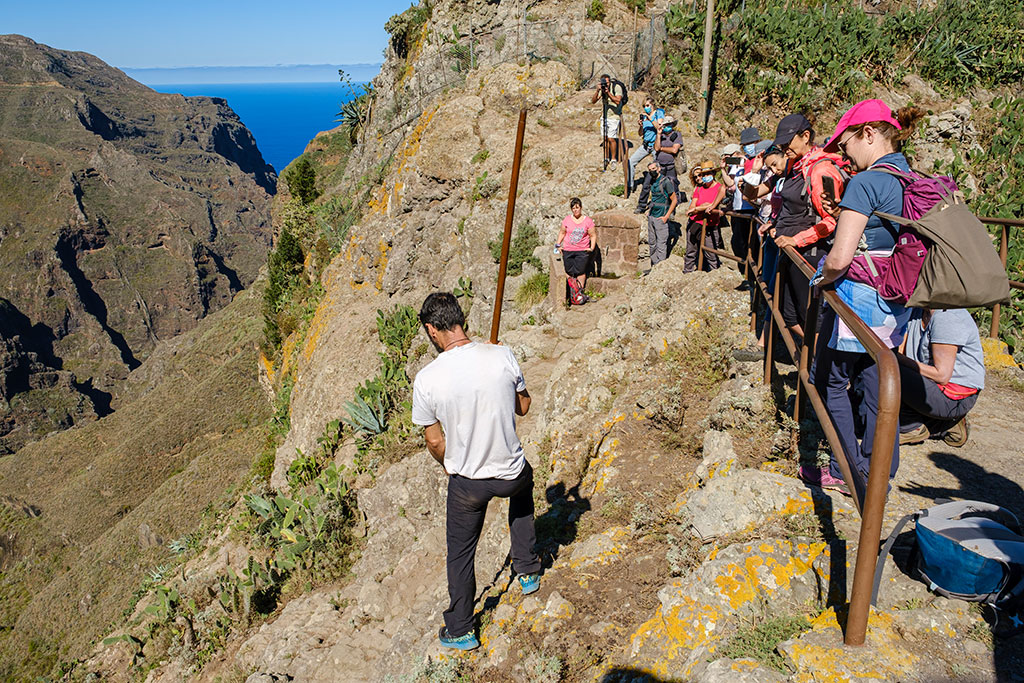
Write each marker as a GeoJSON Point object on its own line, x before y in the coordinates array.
{"type": "Point", "coordinates": [577, 238]}
{"type": "Point", "coordinates": [707, 195]}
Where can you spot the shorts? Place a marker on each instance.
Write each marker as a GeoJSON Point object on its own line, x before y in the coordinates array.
{"type": "Point", "coordinates": [575, 262]}
{"type": "Point", "coordinates": [611, 127]}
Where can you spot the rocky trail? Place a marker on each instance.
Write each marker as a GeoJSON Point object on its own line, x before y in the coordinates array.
{"type": "Point", "coordinates": [665, 527]}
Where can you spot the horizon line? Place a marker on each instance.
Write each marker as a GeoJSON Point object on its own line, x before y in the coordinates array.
{"type": "Point", "coordinates": [250, 66]}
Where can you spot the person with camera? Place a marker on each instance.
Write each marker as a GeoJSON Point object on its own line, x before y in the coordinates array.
{"type": "Point", "coordinates": [612, 93]}
{"type": "Point", "coordinates": [647, 132]}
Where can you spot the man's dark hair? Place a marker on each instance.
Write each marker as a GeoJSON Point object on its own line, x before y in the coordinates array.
{"type": "Point", "coordinates": [441, 310]}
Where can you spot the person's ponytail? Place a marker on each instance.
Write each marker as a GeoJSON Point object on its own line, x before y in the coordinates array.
{"type": "Point", "coordinates": [908, 118]}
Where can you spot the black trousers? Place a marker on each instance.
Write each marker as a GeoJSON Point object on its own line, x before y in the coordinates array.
{"type": "Point", "coordinates": [467, 506]}
{"type": "Point", "coordinates": [795, 289]}
{"type": "Point", "coordinates": [740, 240]}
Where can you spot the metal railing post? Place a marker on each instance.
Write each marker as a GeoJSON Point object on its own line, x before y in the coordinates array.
{"type": "Point", "coordinates": [700, 247]}
{"type": "Point", "coordinates": [993, 330]}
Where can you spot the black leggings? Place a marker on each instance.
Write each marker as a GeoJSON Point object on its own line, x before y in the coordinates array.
{"type": "Point", "coordinates": [795, 290]}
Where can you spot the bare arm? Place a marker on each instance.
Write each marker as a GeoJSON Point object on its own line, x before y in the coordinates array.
{"type": "Point", "coordinates": [592, 232]}
{"type": "Point", "coordinates": [561, 235]}
{"type": "Point", "coordinates": [523, 401]}
{"type": "Point", "coordinates": [434, 437]}
{"type": "Point", "coordinates": [941, 369]}
{"type": "Point", "coordinates": [848, 232]}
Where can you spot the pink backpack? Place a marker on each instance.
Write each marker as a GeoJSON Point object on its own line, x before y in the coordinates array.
{"type": "Point", "coordinates": [895, 276]}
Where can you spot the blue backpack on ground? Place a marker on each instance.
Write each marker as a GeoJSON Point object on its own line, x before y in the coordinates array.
{"type": "Point", "coordinates": [968, 550]}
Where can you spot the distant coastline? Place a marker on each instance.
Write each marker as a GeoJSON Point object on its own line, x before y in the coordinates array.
{"type": "Point", "coordinates": [294, 73]}
{"type": "Point", "coordinates": [283, 117]}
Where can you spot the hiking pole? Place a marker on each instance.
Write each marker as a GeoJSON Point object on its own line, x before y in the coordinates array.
{"type": "Point", "coordinates": [510, 210]}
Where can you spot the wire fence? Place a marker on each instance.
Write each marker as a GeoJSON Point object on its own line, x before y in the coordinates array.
{"type": "Point", "coordinates": [587, 48]}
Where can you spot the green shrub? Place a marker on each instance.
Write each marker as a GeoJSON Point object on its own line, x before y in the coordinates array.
{"type": "Point", "coordinates": [596, 11]}
{"type": "Point", "coordinates": [639, 5]}
{"type": "Point", "coordinates": [524, 241]}
{"type": "Point", "coordinates": [759, 642]}
{"type": "Point", "coordinates": [484, 188]}
{"type": "Point", "coordinates": [301, 179]}
{"type": "Point", "coordinates": [998, 166]}
{"type": "Point", "coordinates": [617, 191]}
{"type": "Point", "coordinates": [532, 292]}
{"type": "Point", "coordinates": [284, 272]}
{"type": "Point", "coordinates": [480, 156]}
{"type": "Point", "coordinates": [406, 28]}
{"type": "Point", "coordinates": [789, 54]}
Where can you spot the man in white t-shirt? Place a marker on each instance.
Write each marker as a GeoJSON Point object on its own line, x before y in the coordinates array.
{"type": "Point", "coordinates": [467, 399]}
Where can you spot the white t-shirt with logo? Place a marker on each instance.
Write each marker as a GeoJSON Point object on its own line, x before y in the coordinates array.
{"type": "Point", "coordinates": [471, 391]}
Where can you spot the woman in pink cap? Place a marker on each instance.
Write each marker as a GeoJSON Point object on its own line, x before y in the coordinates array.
{"type": "Point", "coordinates": [870, 136]}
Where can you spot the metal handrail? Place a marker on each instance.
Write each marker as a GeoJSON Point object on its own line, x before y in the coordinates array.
{"type": "Point", "coordinates": [872, 507]}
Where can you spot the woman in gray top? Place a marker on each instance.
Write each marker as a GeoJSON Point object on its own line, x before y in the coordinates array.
{"type": "Point", "coordinates": [942, 371]}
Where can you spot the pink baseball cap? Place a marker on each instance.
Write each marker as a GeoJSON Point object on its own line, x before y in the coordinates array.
{"type": "Point", "coordinates": [866, 111]}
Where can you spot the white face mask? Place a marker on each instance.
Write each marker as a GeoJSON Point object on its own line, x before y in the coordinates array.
{"type": "Point", "coordinates": [707, 179]}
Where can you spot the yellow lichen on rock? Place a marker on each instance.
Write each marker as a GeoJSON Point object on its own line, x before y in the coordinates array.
{"type": "Point", "coordinates": [687, 626]}
{"type": "Point", "coordinates": [997, 354]}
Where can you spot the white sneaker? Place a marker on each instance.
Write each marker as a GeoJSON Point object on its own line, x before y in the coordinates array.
{"type": "Point", "coordinates": [614, 164]}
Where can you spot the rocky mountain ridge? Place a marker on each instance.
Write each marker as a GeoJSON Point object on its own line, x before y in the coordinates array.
{"type": "Point", "coordinates": [127, 216]}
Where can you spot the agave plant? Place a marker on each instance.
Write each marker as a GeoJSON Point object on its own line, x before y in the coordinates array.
{"type": "Point", "coordinates": [364, 417]}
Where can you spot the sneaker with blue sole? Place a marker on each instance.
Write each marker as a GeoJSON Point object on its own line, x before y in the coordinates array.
{"type": "Point", "coordinates": [530, 583]}
{"type": "Point", "coordinates": [467, 641]}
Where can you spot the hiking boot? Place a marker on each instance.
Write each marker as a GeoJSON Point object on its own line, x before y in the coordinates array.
{"type": "Point", "coordinates": [530, 583]}
{"type": "Point", "coordinates": [820, 476]}
{"type": "Point", "coordinates": [640, 210]}
{"type": "Point", "coordinates": [467, 641]}
{"type": "Point", "coordinates": [957, 435]}
{"type": "Point", "coordinates": [916, 435]}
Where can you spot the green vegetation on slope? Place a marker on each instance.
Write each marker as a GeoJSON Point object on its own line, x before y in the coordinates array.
{"type": "Point", "coordinates": [809, 54]}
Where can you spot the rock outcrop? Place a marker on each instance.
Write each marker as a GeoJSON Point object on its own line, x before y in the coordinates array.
{"type": "Point", "coordinates": [128, 215]}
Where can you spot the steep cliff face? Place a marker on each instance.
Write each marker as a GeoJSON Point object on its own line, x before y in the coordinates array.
{"type": "Point", "coordinates": [126, 215]}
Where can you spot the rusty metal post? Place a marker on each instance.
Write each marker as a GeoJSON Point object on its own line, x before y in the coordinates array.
{"type": "Point", "coordinates": [993, 330]}
{"type": "Point", "coordinates": [513, 187]}
{"type": "Point", "coordinates": [886, 427]}
{"type": "Point", "coordinates": [700, 246]}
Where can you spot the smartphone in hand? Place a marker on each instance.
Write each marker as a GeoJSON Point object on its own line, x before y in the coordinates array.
{"type": "Point", "coordinates": [828, 188]}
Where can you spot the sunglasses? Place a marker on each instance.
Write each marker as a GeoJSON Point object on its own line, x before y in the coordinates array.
{"type": "Point", "coordinates": [842, 145]}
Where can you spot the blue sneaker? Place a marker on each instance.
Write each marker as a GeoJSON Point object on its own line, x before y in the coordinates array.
{"type": "Point", "coordinates": [467, 641]}
{"type": "Point", "coordinates": [530, 583]}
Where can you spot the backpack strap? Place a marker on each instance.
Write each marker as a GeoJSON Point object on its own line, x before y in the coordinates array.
{"type": "Point", "coordinates": [889, 542]}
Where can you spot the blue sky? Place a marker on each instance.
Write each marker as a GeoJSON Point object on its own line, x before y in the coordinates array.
{"type": "Point", "coordinates": [209, 32]}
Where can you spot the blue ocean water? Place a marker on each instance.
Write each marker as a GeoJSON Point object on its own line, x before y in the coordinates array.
{"type": "Point", "coordinates": [283, 117]}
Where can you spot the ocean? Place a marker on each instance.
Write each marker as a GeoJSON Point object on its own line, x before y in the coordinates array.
{"type": "Point", "coordinates": [283, 117]}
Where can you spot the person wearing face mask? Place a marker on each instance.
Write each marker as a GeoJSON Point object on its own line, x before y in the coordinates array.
{"type": "Point", "coordinates": [648, 132]}
{"type": "Point", "coordinates": [732, 178]}
{"type": "Point", "coordinates": [802, 222]}
{"type": "Point", "coordinates": [663, 203]}
{"type": "Point", "coordinates": [870, 135]}
{"type": "Point", "coordinates": [703, 212]}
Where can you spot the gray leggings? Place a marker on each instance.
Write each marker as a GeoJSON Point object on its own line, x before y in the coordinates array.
{"type": "Point", "coordinates": [924, 403]}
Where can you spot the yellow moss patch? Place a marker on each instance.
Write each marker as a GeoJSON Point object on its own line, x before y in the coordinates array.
{"type": "Point", "coordinates": [997, 354]}
{"type": "Point", "coordinates": [686, 627]}
{"type": "Point", "coordinates": [765, 575]}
